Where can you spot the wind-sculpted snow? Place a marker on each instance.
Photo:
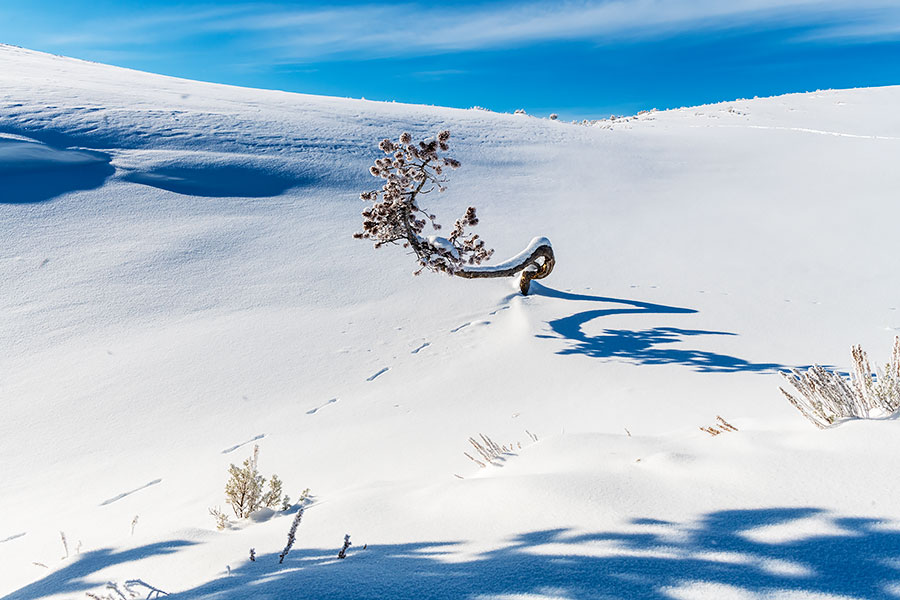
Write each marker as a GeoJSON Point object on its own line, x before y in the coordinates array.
{"type": "Point", "coordinates": [217, 181]}
{"type": "Point", "coordinates": [33, 172]}
{"type": "Point", "coordinates": [22, 155]}
{"type": "Point", "coordinates": [179, 275]}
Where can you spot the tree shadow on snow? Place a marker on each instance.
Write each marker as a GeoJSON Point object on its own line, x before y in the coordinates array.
{"type": "Point", "coordinates": [860, 561]}
{"type": "Point", "coordinates": [75, 577]}
{"type": "Point", "coordinates": [849, 557]}
{"type": "Point", "coordinates": [645, 347]}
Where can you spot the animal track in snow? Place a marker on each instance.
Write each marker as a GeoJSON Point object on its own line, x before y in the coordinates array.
{"type": "Point", "coordinates": [251, 440]}
{"type": "Point", "coordinates": [13, 537]}
{"type": "Point", "coordinates": [318, 408]}
{"type": "Point", "coordinates": [372, 377]}
{"type": "Point", "coordinates": [468, 323]}
{"type": "Point", "coordinates": [422, 347]}
{"type": "Point", "coordinates": [124, 494]}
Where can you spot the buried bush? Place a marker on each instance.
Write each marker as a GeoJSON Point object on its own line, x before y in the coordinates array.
{"type": "Point", "coordinates": [411, 170]}
{"type": "Point", "coordinates": [222, 520]}
{"type": "Point", "coordinates": [825, 397]}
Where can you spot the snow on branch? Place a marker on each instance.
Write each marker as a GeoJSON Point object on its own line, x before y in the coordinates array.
{"type": "Point", "coordinates": [411, 170]}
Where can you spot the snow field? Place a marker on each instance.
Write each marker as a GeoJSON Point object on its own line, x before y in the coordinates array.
{"type": "Point", "coordinates": [180, 280]}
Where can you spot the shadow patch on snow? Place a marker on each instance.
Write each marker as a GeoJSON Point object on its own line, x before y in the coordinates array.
{"type": "Point", "coordinates": [850, 557]}
{"type": "Point", "coordinates": [79, 573]}
{"type": "Point", "coordinates": [218, 181]}
{"type": "Point", "coordinates": [262, 515]}
{"type": "Point", "coordinates": [643, 347]}
{"type": "Point", "coordinates": [125, 494]}
{"type": "Point", "coordinates": [32, 172]}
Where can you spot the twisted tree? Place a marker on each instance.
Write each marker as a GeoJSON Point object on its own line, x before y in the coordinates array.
{"type": "Point", "coordinates": [411, 170]}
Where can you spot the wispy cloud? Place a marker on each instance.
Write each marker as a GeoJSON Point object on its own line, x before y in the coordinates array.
{"type": "Point", "coordinates": [437, 75]}
{"type": "Point", "coordinates": [376, 31]}
{"type": "Point", "coordinates": [146, 27]}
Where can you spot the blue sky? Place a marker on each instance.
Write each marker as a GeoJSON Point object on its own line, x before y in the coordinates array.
{"type": "Point", "coordinates": [581, 59]}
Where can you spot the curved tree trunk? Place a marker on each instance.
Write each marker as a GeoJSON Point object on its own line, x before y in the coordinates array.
{"type": "Point", "coordinates": [536, 261]}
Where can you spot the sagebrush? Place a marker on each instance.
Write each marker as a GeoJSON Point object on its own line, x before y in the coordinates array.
{"type": "Point", "coordinates": [245, 488]}
{"type": "Point", "coordinates": [491, 452]}
{"type": "Point", "coordinates": [825, 397]}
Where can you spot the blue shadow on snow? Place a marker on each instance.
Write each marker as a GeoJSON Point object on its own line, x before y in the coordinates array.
{"type": "Point", "coordinates": [31, 186]}
{"type": "Point", "coordinates": [217, 181]}
{"type": "Point", "coordinates": [643, 347]}
{"type": "Point", "coordinates": [74, 577]}
{"type": "Point", "coordinates": [851, 557]}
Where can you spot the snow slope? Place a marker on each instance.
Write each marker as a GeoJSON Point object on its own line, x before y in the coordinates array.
{"type": "Point", "coordinates": [180, 282]}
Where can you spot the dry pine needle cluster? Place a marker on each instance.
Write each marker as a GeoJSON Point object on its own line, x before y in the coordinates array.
{"type": "Point", "coordinates": [411, 170]}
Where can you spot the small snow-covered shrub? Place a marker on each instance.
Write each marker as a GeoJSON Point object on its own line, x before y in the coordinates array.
{"type": "Point", "coordinates": [826, 397]}
{"type": "Point", "coordinates": [273, 496]}
{"type": "Point", "coordinates": [222, 520]}
{"type": "Point", "coordinates": [292, 534]}
{"type": "Point", "coordinates": [413, 169]}
{"type": "Point", "coordinates": [244, 488]}
{"type": "Point", "coordinates": [347, 543]}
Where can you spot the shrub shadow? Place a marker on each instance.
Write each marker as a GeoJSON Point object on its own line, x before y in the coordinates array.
{"type": "Point", "coordinates": [73, 578]}
{"type": "Point", "coordinates": [643, 347]}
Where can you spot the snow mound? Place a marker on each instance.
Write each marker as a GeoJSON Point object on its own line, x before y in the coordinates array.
{"type": "Point", "coordinates": [33, 172]}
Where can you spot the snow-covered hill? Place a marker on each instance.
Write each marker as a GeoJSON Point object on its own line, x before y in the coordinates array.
{"type": "Point", "coordinates": [180, 283]}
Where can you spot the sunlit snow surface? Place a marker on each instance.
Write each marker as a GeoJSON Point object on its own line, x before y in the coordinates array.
{"type": "Point", "coordinates": [180, 283]}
